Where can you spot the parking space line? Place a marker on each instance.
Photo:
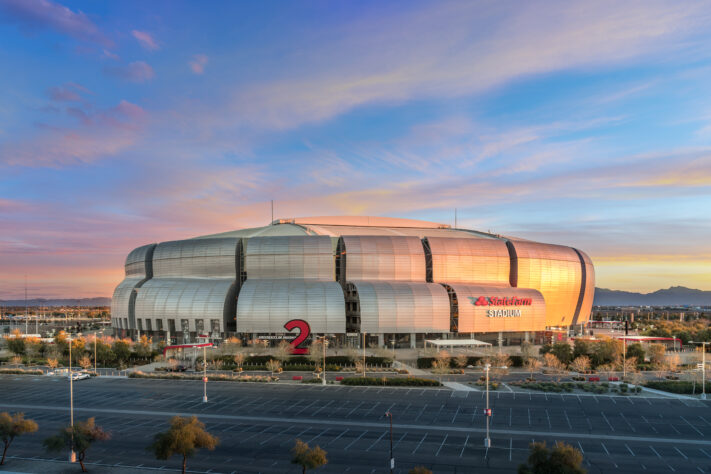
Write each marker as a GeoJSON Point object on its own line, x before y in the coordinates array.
{"type": "Point", "coordinates": [550, 426]}
{"type": "Point", "coordinates": [419, 444]}
{"type": "Point", "coordinates": [440, 446]}
{"type": "Point", "coordinates": [317, 436]}
{"type": "Point", "coordinates": [464, 447]}
{"type": "Point", "coordinates": [353, 442]}
{"type": "Point", "coordinates": [695, 429]}
{"type": "Point", "coordinates": [655, 451]}
{"type": "Point", "coordinates": [581, 447]}
{"type": "Point", "coordinates": [608, 421]}
{"type": "Point", "coordinates": [529, 416]}
{"type": "Point", "coordinates": [324, 406]}
{"type": "Point", "coordinates": [510, 448]}
{"type": "Point", "coordinates": [354, 409]}
{"type": "Point", "coordinates": [605, 448]}
{"type": "Point", "coordinates": [628, 423]}
{"type": "Point", "coordinates": [567, 419]}
{"type": "Point", "coordinates": [336, 438]}
{"type": "Point", "coordinates": [398, 441]}
{"type": "Point", "coordinates": [456, 413]}
{"type": "Point", "coordinates": [628, 449]}
{"type": "Point", "coordinates": [705, 453]}
{"type": "Point", "coordinates": [678, 451]}
{"type": "Point", "coordinates": [376, 441]}
{"type": "Point", "coordinates": [421, 412]}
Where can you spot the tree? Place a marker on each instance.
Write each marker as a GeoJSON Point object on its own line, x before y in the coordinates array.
{"type": "Point", "coordinates": [419, 470]}
{"type": "Point", "coordinates": [461, 361]}
{"type": "Point", "coordinates": [607, 369]}
{"type": "Point", "coordinates": [52, 363]}
{"type": "Point", "coordinates": [85, 362]}
{"type": "Point", "coordinates": [500, 364]}
{"type": "Point", "coordinates": [656, 353]}
{"type": "Point", "coordinates": [360, 367]}
{"type": "Point", "coordinates": [527, 349]}
{"type": "Point", "coordinates": [532, 365]}
{"type": "Point", "coordinates": [563, 352]}
{"type": "Point", "coordinates": [581, 347]}
{"type": "Point", "coordinates": [443, 358]}
{"type": "Point", "coordinates": [636, 350]}
{"type": "Point", "coordinates": [672, 362]}
{"type": "Point", "coordinates": [554, 364]}
{"type": "Point", "coordinates": [144, 346]}
{"type": "Point", "coordinates": [12, 426]}
{"type": "Point", "coordinates": [273, 366]}
{"type": "Point", "coordinates": [316, 352]}
{"type": "Point", "coordinates": [563, 459]}
{"type": "Point", "coordinates": [122, 350]}
{"type": "Point", "coordinates": [78, 439]}
{"type": "Point", "coordinates": [283, 350]}
{"type": "Point", "coordinates": [307, 458]}
{"type": "Point", "coordinates": [16, 360]}
{"type": "Point", "coordinates": [239, 360]}
{"type": "Point", "coordinates": [184, 437]}
{"type": "Point", "coordinates": [15, 344]}
{"type": "Point", "coordinates": [581, 364]}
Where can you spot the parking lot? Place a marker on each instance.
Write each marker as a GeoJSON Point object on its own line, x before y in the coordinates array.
{"type": "Point", "coordinates": [439, 428]}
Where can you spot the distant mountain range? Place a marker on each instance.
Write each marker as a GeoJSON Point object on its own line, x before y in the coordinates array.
{"type": "Point", "coordinates": [99, 301]}
{"type": "Point", "coordinates": [674, 296]}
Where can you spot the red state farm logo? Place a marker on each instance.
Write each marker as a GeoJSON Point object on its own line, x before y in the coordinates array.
{"type": "Point", "coordinates": [481, 301]}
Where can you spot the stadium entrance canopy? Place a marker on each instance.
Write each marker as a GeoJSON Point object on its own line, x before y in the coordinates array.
{"type": "Point", "coordinates": [456, 343]}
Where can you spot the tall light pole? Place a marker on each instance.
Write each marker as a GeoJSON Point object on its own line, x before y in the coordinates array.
{"type": "Point", "coordinates": [364, 354]}
{"type": "Point", "coordinates": [392, 459]}
{"type": "Point", "coordinates": [324, 344]}
{"type": "Point", "coordinates": [703, 367]}
{"type": "Point", "coordinates": [204, 374]}
{"type": "Point", "coordinates": [72, 454]}
{"type": "Point", "coordinates": [487, 411]}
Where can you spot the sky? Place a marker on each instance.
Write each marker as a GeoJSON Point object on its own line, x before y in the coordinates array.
{"type": "Point", "coordinates": [585, 124]}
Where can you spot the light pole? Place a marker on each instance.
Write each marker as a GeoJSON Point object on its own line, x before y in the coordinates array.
{"type": "Point", "coordinates": [392, 343]}
{"type": "Point", "coordinates": [204, 374]}
{"type": "Point", "coordinates": [324, 344]}
{"type": "Point", "coordinates": [487, 411]}
{"type": "Point", "coordinates": [703, 367]}
{"type": "Point", "coordinates": [72, 454]}
{"type": "Point", "coordinates": [392, 459]}
{"type": "Point", "coordinates": [364, 354]}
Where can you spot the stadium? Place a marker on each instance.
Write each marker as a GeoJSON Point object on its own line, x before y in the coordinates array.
{"type": "Point", "coordinates": [356, 279]}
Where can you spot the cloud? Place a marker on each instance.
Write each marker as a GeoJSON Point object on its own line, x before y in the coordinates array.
{"type": "Point", "coordinates": [146, 40]}
{"type": "Point", "coordinates": [108, 54]}
{"type": "Point", "coordinates": [197, 65]}
{"type": "Point", "coordinates": [476, 48]}
{"type": "Point", "coordinates": [68, 92]}
{"type": "Point", "coordinates": [99, 134]}
{"type": "Point", "coordinates": [137, 71]}
{"type": "Point", "coordinates": [44, 14]}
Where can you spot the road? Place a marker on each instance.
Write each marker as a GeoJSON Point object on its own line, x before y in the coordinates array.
{"type": "Point", "coordinates": [438, 428]}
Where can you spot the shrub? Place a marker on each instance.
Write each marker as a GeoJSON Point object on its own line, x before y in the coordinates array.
{"type": "Point", "coordinates": [391, 382]}
{"type": "Point", "coordinates": [676, 386]}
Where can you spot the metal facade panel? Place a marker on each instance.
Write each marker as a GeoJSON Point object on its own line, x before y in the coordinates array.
{"type": "Point", "coordinates": [402, 307]}
{"type": "Point", "coordinates": [586, 307]}
{"type": "Point", "coordinates": [476, 318]}
{"type": "Point", "coordinates": [469, 260]}
{"type": "Point", "coordinates": [298, 257]}
{"type": "Point", "coordinates": [184, 298]}
{"type": "Point", "coordinates": [384, 258]}
{"type": "Point", "coordinates": [264, 306]}
{"type": "Point", "coordinates": [122, 296]}
{"type": "Point", "coordinates": [207, 258]}
{"type": "Point", "coordinates": [137, 261]}
{"type": "Point", "coordinates": [556, 272]}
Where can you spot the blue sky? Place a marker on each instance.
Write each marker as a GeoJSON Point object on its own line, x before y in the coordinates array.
{"type": "Point", "coordinates": [581, 123]}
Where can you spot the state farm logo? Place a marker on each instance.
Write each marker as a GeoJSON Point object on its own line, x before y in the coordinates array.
{"type": "Point", "coordinates": [495, 301]}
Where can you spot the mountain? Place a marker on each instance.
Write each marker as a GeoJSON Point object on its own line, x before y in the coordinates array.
{"type": "Point", "coordinates": [674, 296]}
{"type": "Point", "coordinates": [99, 301]}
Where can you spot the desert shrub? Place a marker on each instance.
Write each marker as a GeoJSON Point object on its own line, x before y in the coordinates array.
{"type": "Point", "coordinates": [391, 382]}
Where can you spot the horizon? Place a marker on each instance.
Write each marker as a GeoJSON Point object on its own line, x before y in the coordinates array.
{"type": "Point", "coordinates": [578, 124]}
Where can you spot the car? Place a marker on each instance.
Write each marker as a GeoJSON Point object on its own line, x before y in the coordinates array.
{"type": "Point", "coordinates": [80, 376]}
{"type": "Point", "coordinates": [178, 368]}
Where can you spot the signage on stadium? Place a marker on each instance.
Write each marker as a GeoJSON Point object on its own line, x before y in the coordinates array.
{"type": "Point", "coordinates": [495, 301]}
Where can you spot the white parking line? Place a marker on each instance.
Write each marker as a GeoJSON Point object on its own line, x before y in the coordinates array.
{"type": "Point", "coordinates": [398, 441]}
{"type": "Point", "coordinates": [705, 453]}
{"type": "Point", "coordinates": [695, 429]}
{"type": "Point", "coordinates": [677, 450]}
{"type": "Point", "coordinates": [550, 427]}
{"type": "Point", "coordinates": [455, 414]}
{"type": "Point", "coordinates": [418, 444]}
{"type": "Point", "coordinates": [440, 446]}
{"type": "Point", "coordinates": [608, 421]}
{"type": "Point", "coordinates": [354, 409]}
{"type": "Point", "coordinates": [567, 419]}
{"type": "Point", "coordinates": [376, 441]}
{"type": "Point", "coordinates": [628, 423]}
{"type": "Point", "coordinates": [655, 451]}
{"type": "Point", "coordinates": [605, 448]}
{"type": "Point", "coordinates": [510, 448]}
{"type": "Point", "coordinates": [336, 438]}
{"type": "Point", "coordinates": [353, 442]}
{"type": "Point", "coordinates": [628, 449]}
{"type": "Point", "coordinates": [421, 412]}
{"type": "Point", "coordinates": [581, 447]}
{"type": "Point", "coordinates": [464, 447]}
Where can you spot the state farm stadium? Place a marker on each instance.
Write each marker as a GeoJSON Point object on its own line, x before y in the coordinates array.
{"type": "Point", "coordinates": [395, 280]}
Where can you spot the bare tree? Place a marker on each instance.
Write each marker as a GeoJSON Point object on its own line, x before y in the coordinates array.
{"type": "Point", "coordinates": [273, 365]}
{"type": "Point", "coordinates": [607, 369]}
{"type": "Point", "coordinates": [527, 350]}
{"type": "Point", "coordinates": [554, 364]}
{"type": "Point", "coordinates": [672, 362]}
{"type": "Point", "coordinates": [360, 367]}
{"type": "Point", "coordinates": [532, 365]}
{"type": "Point", "coordinates": [461, 360]}
{"type": "Point", "coordinates": [500, 364]}
{"type": "Point", "coordinates": [581, 364]}
{"type": "Point", "coordinates": [12, 426]}
{"type": "Point", "coordinates": [283, 350]}
{"type": "Point", "coordinates": [239, 360]}
{"type": "Point", "coordinates": [443, 359]}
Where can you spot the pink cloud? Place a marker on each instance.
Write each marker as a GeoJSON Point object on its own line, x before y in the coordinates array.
{"type": "Point", "coordinates": [44, 14]}
{"type": "Point", "coordinates": [68, 92]}
{"type": "Point", "coordinates": [146, 40]}
{"type": "Point", "coordinates": [198, 63]}
{"type": "Point", "coordinates": [137, 71]}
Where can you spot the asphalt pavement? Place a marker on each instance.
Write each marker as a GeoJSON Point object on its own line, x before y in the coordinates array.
{"type": "Point", "coordinates": [434, 427]}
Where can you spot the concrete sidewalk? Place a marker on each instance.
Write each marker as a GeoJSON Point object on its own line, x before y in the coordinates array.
{"type": "Point", "coordinates": [27, 466]}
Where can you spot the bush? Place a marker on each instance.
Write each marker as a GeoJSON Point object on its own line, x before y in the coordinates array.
{"type": "Point", "coordinates": [213, 377]}
{"type": "Point", "coordinates": [676, 386]}
{"type": "Point", "coordinates": [426, 362]}
{"type": "Point", "coordinates": [391, 382]}
{"type": "Point", "coordinates": [21, 371]}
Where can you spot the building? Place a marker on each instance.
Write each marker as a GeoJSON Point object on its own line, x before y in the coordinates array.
{"type": "Point", "coordinates": [394, 279]}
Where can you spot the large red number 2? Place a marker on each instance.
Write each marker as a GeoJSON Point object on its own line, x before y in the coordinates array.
{"type": "Point", "coordinates": [304, 331]}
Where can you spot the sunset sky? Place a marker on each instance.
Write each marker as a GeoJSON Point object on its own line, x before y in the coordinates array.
{"type": "Point", "coordinates": [581, 123]}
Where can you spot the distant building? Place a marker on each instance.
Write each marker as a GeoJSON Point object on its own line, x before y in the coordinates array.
{"type": "Point", "coordinates": [394, 279]}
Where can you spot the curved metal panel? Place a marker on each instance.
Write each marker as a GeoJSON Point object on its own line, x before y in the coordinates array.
{"type": "Point", "coordinates": [264, 306]}
{"type": "Point", "coordinates": [555, 271]}
{"type": "Point", "coordinates": [469, 260]}
{"type": "Point", "coordinates": [215, 258]}
{"type": "Point", "coordinates": [384, 258]}
{"type": "Point", "coordinates": [138, 262]}
{"type": "Point", "coordinates": [300, 257]}
{"type": "Point", "coordinates": [502, 308]}
{"type": "Point", "coordinates": [391, 307]}
{"type": "Point", "coordinates": [120, 302]}
{"type": "Point", "coordinates": [589, 295]}
{"type": "Point", "coordinates": [183, 298]}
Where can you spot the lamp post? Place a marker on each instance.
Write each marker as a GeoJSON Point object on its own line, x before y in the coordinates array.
{"type": "Point", "coordinates": [703, 367]}
{"type": "Point", "coordinates": [364, 354]}
{"type": "Point", "coordinates": [392, 459]}
{"type": "Point", "coordinates": [392, 343]}
{"type": "Point", "coordinates": [487, 411]}
{"type": "Point", "coordinates": [72, 454]}
{"type": "Point", "coordinates": [324, 344]}
{"type": "Point", "coordinates": [204, 374]}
